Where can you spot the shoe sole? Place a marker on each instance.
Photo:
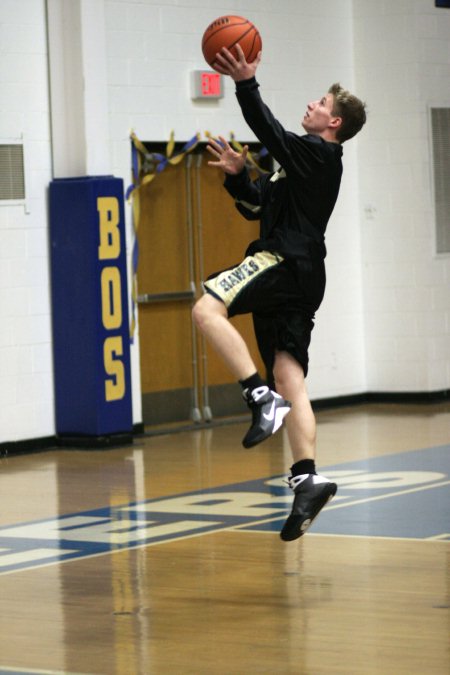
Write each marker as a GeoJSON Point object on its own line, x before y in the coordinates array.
{"type": "Point", "coordinates": [280, 414]}
{"type": "Point", "coordinates": [296, 526]}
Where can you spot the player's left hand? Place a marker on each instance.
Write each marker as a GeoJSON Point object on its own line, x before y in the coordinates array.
{"type": "Point", "coordinates": [238, 69]}
{"type": "Point", "coordinates": [227, 159]}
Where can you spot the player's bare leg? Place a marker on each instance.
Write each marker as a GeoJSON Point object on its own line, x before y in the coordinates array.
{"type": "Point", "coordinates": [300, 423]}
{"type": "Point", "coordinates": [211, 317]}
{"type": "Point", "coordinates": [311, 492]}
{"type": "Point", "coordinates": [268, 408]}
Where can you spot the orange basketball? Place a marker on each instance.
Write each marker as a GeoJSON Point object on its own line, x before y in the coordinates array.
{"type": "Point", "coordinates": [227, 31]}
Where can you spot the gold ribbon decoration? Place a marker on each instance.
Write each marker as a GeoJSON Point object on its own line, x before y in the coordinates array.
{"type": "Point", "coordinates": [145, 166]}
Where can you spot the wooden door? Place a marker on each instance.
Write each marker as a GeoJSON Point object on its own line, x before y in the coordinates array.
{"type": "Point", "coordinates": [189, 228]}
{"type": "Point", "coordinates": [222, 236]}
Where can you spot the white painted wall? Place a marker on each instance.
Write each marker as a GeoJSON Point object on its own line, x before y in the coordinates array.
{"type": "Point", "coordinates": [402, 65]}
{"type": "Point", "coordinates": [385, 321]}
{"type": "Point", "coordinates": [26, 382]}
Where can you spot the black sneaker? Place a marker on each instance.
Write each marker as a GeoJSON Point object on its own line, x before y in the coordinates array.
{"type": "Point", "coordinates": [312, 492]}
{"type": "Point", "coordinates": [268, 411]}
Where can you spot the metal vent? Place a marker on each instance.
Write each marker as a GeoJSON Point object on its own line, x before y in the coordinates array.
{"type": "Point", "coordinates": [12, 177]}
{"type": "Point", "coordinates": [440, 137]}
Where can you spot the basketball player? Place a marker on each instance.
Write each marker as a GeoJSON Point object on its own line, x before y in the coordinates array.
{"type": "Point", "coordinates": [282, 279]}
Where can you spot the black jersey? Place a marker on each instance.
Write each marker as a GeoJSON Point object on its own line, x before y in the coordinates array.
{"type": "Point", "coordinates": [295, 203]}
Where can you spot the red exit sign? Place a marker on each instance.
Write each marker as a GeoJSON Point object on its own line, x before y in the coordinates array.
{"type": "Point", "coordinates": [211, 84]}
{"type": "Point", "coordinates": [206, 84]}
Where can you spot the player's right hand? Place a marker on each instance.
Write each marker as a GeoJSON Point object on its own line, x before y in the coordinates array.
{"type": "Point", "coordinates": [238, 69]}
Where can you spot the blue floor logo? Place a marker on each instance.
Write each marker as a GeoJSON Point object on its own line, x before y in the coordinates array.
{"type": "Point", "coordinates": [391, 496]}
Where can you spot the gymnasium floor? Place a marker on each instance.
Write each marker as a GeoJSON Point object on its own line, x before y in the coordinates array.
{"type": "Point", "coordinates": [164, 557]}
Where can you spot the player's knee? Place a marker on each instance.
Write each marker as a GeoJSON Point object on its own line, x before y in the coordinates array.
{"type": "Point", "coordinates": [283, 386]}
{"type": "Point", "coordinates": [198, 313]}
{"type": "Point", "coordinates": [205, 309]}
{"type": "Point", "coordinates": [288, 375]}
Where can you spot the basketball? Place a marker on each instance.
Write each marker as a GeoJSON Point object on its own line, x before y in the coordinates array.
{"type": "Point", "coordinates": [227, 31]}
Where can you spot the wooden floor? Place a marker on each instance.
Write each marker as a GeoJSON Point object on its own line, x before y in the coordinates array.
{"type": "Point", "coordinates": [229, 601]}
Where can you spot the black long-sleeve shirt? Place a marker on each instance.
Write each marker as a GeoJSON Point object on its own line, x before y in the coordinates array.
{"type": "Point", "coordinates": [295, 203]}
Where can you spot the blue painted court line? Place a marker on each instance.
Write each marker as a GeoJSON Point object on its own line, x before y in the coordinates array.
{"type": "Point", "coordinates": [401, 495]}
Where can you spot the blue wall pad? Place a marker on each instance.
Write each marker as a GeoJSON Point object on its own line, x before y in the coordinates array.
{"type": "Point", "coordinates": [90, 307]}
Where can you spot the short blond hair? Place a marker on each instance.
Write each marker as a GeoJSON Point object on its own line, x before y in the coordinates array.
{"type": "Point", "coordinates": [350, 109]}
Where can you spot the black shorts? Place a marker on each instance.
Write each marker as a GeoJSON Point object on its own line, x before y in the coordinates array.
{"type": "Point", "coordinates": [281, 294]}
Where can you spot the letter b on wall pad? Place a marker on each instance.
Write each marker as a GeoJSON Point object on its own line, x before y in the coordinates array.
{"type": "Point", "coordinates": [91, 343]}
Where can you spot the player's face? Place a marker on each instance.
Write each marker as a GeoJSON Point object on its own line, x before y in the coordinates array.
{"type": "Point", "coordinates": [318, 115]}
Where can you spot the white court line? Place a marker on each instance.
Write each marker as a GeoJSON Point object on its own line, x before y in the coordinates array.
{"type": "Point", "coordinates": [330, 535]}
{"type": "Point", "coordinates": [34, 671]}
{"type": "Point", "coordinates": [391, 494]}
{"type": "Point", "coordinates": [353, 503]}
{"type": "Point", "coordinates": [374, 536]}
